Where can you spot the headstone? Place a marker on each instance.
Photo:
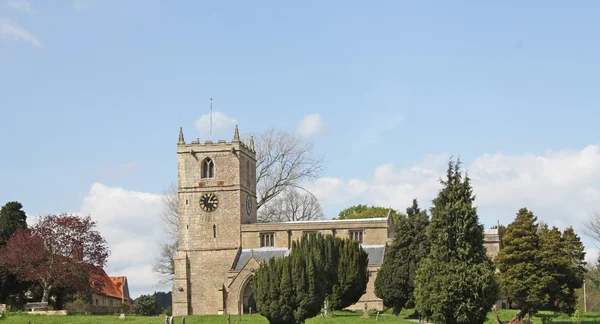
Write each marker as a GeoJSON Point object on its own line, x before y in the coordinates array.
{"type": "Point", "coordinates": [365, 312]}
{"type": "Point", "coordinates": [166, 319]}
{"type": "Point", "coordinates": [171, 320]}
{"type": "Point", "coordinates": [228, 318]}
{"type": "Point", "coordinates": [377, 318]}
{"type": "Point", "coordinates": [122, 316]}
{"type": "Point", "coordinates": [183, 320]}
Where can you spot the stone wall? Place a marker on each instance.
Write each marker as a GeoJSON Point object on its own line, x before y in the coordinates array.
{"type": "Point", "coordinates": [375, 231]}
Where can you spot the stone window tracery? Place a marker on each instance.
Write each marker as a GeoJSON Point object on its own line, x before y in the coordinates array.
{"type": "Point", "coordinates": [267, 239]}
{"type": "Point", "coordinates": [208, 168]}
{"type": "Point", "coordinates": [356, 236]}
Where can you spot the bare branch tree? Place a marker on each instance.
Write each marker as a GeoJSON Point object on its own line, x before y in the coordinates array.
{"type": "Point", "coordinates": [283, 160]}
{"type": "Point", "coordinates": [169, 214]}
{"type": "Point", "coordinates": [591, 227]}
{"type": "Point", "coordinates": [164, 266]}
{"type": "Point", "coordinates": [291, 205]}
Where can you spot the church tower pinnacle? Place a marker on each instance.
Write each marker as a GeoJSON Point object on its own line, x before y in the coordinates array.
{"type": "Point", "coordinates": [181, 140]}
{"type": "Point", "coordinates": [236, 135]}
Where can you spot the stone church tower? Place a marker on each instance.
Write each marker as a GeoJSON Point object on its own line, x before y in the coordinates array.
{"type": "Point", "coordinates": [216, 195]}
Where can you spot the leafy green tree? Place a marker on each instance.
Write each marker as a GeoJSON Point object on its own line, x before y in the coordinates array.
{"type": "Point", "coordinates": [455, 283]}
{"type": "Point", "coordinates": [319, 267]}
{"type": "Point", "coordinates": [540, 267]}
{"type": "Point", "coordinates": [363, 211]}
{"type": "Point", "coordinates": [395, 279]}
{"type": "Point", "coordinates": [145, 305]}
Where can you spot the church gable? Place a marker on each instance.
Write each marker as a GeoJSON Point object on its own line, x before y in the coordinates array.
{"type": "Point", "coordinates": [261, 254]}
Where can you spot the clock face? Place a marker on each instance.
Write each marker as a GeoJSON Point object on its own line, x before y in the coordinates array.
{"type": "Point", "coordinates": [209, 202]}
{"type": "Point", "coordinates": [248, 204]}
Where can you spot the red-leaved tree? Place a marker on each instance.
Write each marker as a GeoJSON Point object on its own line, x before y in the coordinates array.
{"type": "Point", "coordinates": [58, 251]}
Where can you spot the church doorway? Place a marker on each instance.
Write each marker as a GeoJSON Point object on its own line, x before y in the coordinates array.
{"type": "Point", "coordinates": [249, 305]}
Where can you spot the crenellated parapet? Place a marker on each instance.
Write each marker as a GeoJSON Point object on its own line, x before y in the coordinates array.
{"type": "Point", "coordinates": [220, 145]}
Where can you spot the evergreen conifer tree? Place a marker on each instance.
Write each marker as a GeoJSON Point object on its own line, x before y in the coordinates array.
{"type": "Point", "coordinates": [540, 268]}
{"type": "Point", "coordinates": [294, 288]}
{"type": "Point", "coordinates": [395, 279]}
{"type": "Point", "coordinates": [351, 274]}
{"type": "Point", "coordinates": [516, 262]}
{"type": "Point", "coordinates": [12, 218]}
{"type": "Point", "coordinates": [455, 283]}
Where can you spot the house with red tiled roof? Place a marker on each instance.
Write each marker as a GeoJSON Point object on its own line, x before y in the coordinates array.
{"type": "Point", "coordinates": [113, 296]}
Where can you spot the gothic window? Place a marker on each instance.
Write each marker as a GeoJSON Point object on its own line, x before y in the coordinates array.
{"type": "Point", "coordinates": [356, 236]}
{"type": "Point", "coordinates": [267, 239]}
{"type": "Point", "coordinates": [208, 168]}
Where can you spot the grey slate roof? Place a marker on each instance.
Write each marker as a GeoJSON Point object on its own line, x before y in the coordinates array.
{"type": "Point", "coordinates": [375, 253]}
{"type": "Point", "coordinates": [261, 254]}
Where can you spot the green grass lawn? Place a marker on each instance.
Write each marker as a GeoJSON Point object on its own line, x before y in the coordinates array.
{"type": "Point", "coordinates": [506, 315]}
{"type": "Point", "coordinates": [339, 317]}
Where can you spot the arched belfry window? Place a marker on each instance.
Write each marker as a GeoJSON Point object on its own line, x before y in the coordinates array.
{"type": "Point", "coordinates": [208, 168]}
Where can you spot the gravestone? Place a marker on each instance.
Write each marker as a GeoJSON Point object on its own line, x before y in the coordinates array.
{"type": "Point", "coordinates": [122, 316]}
{"type": "Point", "coordinates": [166, 319]}
{"type": "Point", "coordinates": [365, 312]}
{"type": "Point", "coordinates": [171, 320]}
{"type": "Point", "coordinates": [183, 320]}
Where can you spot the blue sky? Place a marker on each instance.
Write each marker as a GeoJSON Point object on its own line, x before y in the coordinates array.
{"type": "Point", "coordinates": [92, 95]}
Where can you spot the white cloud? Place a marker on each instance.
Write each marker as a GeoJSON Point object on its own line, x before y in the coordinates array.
{"type": "Point", "coordinates": [311, 125]}
{"type": "Point", "coordinates": [20, 5]}
{"type": "Point", "coordinates": [130, 222]}
{"type": "Point", "coordinates": [560, 187]}
{"type": "Point", "coordinates": [591, 256]}
{"type": "Point", "coordinates": [9, 30]}
{"type": "Point", "coordinates": [222, 125]}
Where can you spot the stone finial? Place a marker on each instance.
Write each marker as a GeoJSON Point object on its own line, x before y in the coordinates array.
{"type": "Point", "coordinates": [252, 143]}
{"type": "Point", "coordinates": [181, 140]}
{"type": "Point", "coordinates": [236, 135]}
{"type": "Point", "coordinates": [389, 212]}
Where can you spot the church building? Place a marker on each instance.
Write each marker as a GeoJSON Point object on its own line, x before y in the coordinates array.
{"type": "Point", "coordinates": [221, 244]}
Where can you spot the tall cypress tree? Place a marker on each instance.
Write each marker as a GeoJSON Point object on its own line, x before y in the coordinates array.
{"type": "Point", "coordinates": [293, 288]}
{"type": "Point", "coordinates": [455, 283]}
{"type": "Point", "coordinates": [12, 218]}
{"type": "Point", "coordinates": [395, 279]}
{"type": "Point", "coordinates": [540, 268]}
{"type": "Point", "coordinates": [351, 274]}
{"type": "Point", "coordinates": [520, 277]}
